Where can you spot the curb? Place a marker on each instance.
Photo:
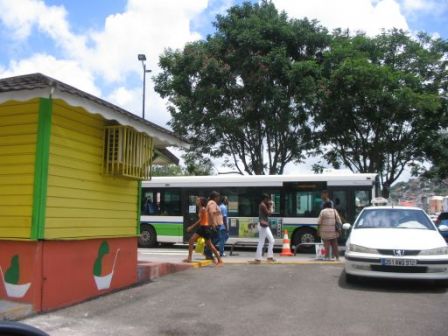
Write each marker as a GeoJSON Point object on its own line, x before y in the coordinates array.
{"type": "Point", "coordinates": [305, 262]}
{"type": "Point", "coordinates": [203, 263]}
{"type": "Point", "coordinates": [148, 271]}
{"type": "Point", "coordinates": [13, 311]}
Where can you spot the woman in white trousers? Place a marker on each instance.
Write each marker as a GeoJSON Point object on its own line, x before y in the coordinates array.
{"type": "Point", "coordinates": [264, 231]}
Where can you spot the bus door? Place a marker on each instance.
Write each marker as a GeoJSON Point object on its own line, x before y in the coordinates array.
{"type": "Point", "coordinates": [190, 212]}
{"type": "Point", "coordinates": [349, 201]}
{"type": "Point", "coordinates": [343, 203]}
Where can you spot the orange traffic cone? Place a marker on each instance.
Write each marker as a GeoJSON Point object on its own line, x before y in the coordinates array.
{"type": "Point", "coordinates": [286, 249]}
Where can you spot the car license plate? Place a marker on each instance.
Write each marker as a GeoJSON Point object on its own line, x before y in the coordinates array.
{"type": "Point", "coordinates": [398, 262]}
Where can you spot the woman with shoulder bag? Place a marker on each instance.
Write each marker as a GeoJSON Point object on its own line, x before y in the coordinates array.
{"type": "Point", "coordinates": [264, 231]}
{"type": "Point", "coordinates": [328, 231]}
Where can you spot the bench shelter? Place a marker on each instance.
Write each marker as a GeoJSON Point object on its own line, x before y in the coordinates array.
{"type": "Point", "coordinates": [70, 172]}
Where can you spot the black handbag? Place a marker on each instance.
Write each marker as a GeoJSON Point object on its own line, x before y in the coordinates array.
{"type": "Point", "coordinates": [337, 225]}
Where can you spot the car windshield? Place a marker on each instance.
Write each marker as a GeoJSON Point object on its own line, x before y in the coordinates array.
{"type": "Point", "coordinates": [393, 218]}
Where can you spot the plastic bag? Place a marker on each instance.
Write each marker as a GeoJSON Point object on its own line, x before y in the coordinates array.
{"type": "Point", "coordinates": [320, 251]}
{"type": "Point", "coordinates": [200, 244]}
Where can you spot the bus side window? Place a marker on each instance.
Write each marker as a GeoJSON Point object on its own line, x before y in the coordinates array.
{"type": "Point", "coordinates": [245, 206]}
{"type": "Point", "coordinates": [170, 204]}
{"type": "Point", "coordinates": [362, 198]}
{"type": "Point", "coordinates": [233, 205]}
{"type": "Point", "coordinates": [149, 203]}
{"type": "Point", "coordinates": [290, 204]}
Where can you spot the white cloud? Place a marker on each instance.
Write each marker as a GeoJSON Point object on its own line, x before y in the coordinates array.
{"type": "Point", "coordinates": [123, 96]}
{"type": "Point", "coordinates": [67, 71]}
{"type": "Point", "coordinates": [22, 16]}
{"type": "Point", "coordinates": [145, 27]}
{"type": "Point", "coordinates": [131, 100]}
{"type": "Point", "coordinates": [369, 16]}
{"type": "Point", "coordinates": [110, 53]}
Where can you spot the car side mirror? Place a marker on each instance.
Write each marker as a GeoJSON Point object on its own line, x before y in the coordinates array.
{"type": "Point", "coordinates": [443, 228]}
{"type": "Point", "coordinates": [346, 226]}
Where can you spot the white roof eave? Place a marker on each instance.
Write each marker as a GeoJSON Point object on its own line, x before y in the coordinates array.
{"type": "Point", "coordinates": [161, 139]}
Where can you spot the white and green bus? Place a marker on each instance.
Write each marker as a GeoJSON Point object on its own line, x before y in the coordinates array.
{"type": "Point", "coordinates": [168, 204]}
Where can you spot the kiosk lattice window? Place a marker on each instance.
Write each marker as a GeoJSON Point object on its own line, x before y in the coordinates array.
{"type": "Point", "coordinates": [127, 153]}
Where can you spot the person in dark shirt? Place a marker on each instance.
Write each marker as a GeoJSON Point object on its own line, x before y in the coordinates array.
{"type": "Point", "coordinates": [264, 231]}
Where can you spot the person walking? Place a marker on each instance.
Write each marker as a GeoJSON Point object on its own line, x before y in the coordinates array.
{"type": "Point", "coordinates": [203, 231]}
{"type": "Point", "coordinates": [214, 235]}
{"type": "Point", "coordinates": [223, 230]}
{"type": "Point", "coordinates": [327, 229]}
{"type": "Point", "coordinates": [264, 231]}
{"type": "Point", "coordinates": [214, 213]}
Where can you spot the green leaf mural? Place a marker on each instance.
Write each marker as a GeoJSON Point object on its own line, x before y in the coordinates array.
{"type": "Point", "coordinates": [102, 251]}
{"type": "Point", "coordinates": [12, 274]}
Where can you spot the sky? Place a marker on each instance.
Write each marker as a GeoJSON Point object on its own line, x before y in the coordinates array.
{"type": "Point", "coordinates": [93, 45]}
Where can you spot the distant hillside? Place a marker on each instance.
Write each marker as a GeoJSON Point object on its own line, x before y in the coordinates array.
{"type": "Point", "coordinates": [418, 188]}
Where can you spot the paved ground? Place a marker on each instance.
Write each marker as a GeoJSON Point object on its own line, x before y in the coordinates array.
{"type": "Point", "coordinates": [263, 299]}
{"type": "Point", "coordinates": [162, 261]}
{"type": "Point", "coordinates": [165, 260]}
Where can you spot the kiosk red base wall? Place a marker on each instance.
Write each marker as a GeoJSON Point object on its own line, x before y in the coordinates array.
{"type": "Point", "coordinates": [54, 274]}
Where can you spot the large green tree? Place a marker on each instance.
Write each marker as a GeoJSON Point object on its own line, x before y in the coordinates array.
{"type": "Point", "coordinates": [194, 165]}
{"type": "Point", "coordinates": [246, 92]}
{"type": "Point", "coordinates": [382, 101]}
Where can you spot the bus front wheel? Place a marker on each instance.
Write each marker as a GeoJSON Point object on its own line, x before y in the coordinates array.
{"type": "Point", "coordinates": [147, 236]}
{"type": "Point", "coordinates": [304, 236]}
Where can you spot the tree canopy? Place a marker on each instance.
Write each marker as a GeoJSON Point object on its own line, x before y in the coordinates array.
{"type": "Point", "coordinates": [194, 165]}
{"type": "Point", "coordinates": [246, 92]}
{"type": "Point", "coordinates": [381, 101]}
{"type": "Point", "coordinates": [256, 94]}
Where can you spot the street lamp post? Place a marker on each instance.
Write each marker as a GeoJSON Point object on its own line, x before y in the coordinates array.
{"type": "Point", "coordinates": [142, 58]}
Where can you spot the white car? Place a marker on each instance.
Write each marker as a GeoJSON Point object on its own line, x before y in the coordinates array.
{"type": "Point", "coordinates": [396, 242]}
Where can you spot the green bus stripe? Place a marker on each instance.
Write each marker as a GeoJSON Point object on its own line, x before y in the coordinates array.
{"type": "Point", "coordinates": [172, 229]}
{"type": "Point", "coordinates": [41, 169]}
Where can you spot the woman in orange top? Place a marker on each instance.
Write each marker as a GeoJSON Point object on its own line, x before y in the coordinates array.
{"type": "Point", "coordinates": [203, 231]}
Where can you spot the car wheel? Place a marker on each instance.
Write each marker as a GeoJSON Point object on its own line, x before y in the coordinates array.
{"type": "Point", "coordinates": [147, 237]}
{"type": "Point", "coordinates": [303, 236]}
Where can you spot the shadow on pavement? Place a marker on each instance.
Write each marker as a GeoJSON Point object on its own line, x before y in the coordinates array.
{"type": "Point", "coordinates": [391, 285]}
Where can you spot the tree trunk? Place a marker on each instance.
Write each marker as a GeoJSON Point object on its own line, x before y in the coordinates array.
{"type": "Point", "coordinates": [385, 192]}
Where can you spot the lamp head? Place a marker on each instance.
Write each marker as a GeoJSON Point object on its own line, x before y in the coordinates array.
{"type": "Point", "coordinates": [142, 57]}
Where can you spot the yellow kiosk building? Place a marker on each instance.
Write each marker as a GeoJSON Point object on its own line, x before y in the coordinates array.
{"type": "Point", "coordinates": [70, 172]}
